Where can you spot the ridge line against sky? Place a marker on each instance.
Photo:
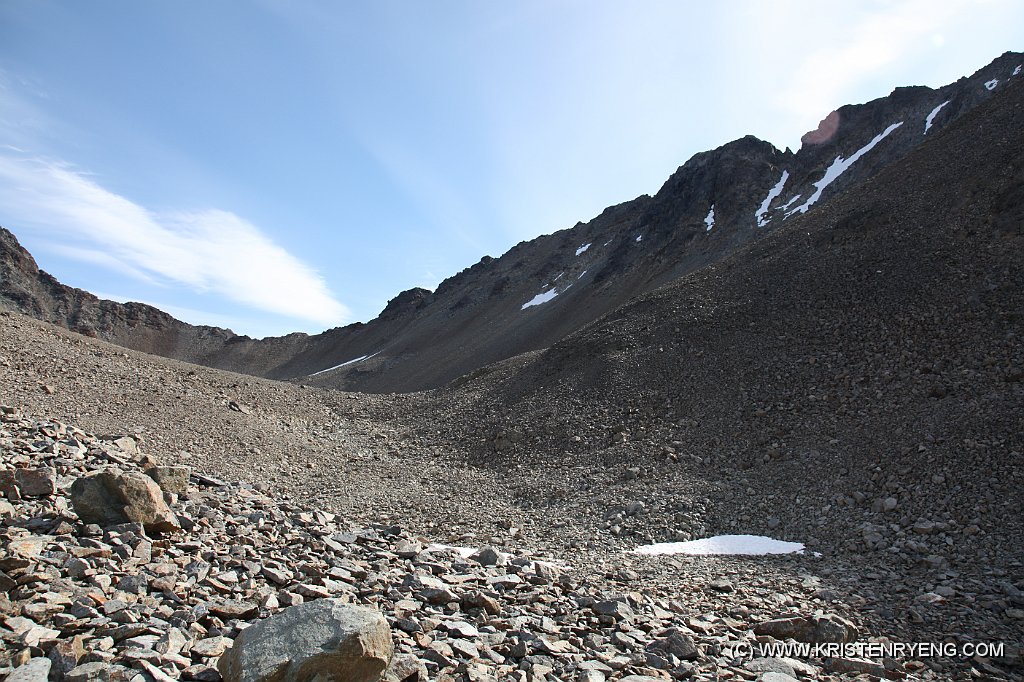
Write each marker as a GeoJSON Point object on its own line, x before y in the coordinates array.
{"type": "Point", "coordinates": [291, 166]}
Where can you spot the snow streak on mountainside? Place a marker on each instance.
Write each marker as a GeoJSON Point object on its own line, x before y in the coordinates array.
{"type": "Point", "coordinates": [762, 211]}
{"type": "Point", "coordinates": [345, 364]}
{"type": "Point", "coordinates": [541, 298]}
{"type": "Point", "coordinates": [840, 166]}
{"type": "Point", "coordinates": [932, 114]}
{"type": "Point", "coordinates": [709, 219]}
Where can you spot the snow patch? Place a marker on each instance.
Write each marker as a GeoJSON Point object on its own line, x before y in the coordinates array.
{"type": "Point", "coordinates": [639, 237]}
{"type": "Point", "coordinates": [931, 116]}
{"type": "Point", "coordinates": [349, 362]}
{"type": "Point", "coordinates": [709, 219]}
{"type": "Point", "coordinates": [991, 85]}
{"type": "Point", "coordinates": [608, 242]}
{"type": "Point", "coordinates": [775, 191]}
{"type": "Point", "coordinates": [582, 248]}
{"type": "Point", "coordinates": [839, 166]}
{"type": "Point", "coordinates": [581, 275]}
{"type": "Point", "coordinates": [1017, 70]}
{"type": "Point", "coordinates": [723, 545]}
{"type": "Point", "coordinates": [464, 552]}
{"type": "Point", "coordinates": [789, 203]}
{"type": "Point", "coordinates": [542, 297]}
{"type": "Point", "coordinates": [503, 557]}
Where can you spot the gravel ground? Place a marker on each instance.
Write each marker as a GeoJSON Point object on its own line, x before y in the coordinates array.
{"type": "Point", "coordinates": [392, 460]}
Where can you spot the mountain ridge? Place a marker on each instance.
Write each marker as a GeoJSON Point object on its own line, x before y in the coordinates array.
{"type": "Point", "coordinates": [530, 297]}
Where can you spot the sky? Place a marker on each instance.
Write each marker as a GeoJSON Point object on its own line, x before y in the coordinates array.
{"type": "Point", "coordinates": [273, 166]}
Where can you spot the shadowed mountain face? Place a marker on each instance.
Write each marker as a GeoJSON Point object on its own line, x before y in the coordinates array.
{"type": "Point", "coordinates": [542, 290]}
{"type": "Point", "coordinates": [899, 301]}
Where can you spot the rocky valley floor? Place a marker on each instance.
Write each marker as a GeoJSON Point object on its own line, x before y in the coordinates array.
{"type": "Point", "coordinates": [304, 494]}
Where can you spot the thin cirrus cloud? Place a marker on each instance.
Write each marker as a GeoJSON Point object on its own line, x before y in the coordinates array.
{"type": "Point", "coordinates": [873, 41]}
{"type": "Point", "coordinates": [209, 251]}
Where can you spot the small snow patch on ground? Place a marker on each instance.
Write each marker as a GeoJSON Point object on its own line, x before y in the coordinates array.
{"type": "Point", "coordinates": [582, 248]}
{"type": "Point", "coordinates": [542, 297]}
{"type": "Point", "coordinates": [639, 237]}
{"type": "Point", "coordinates": [464, 552]}
{"type": "Point", "coordinates": [1017, 70]}
{"type": "Point", "coordinates": [931, 116]}
{"type": "Point", "coordinates": [991, 85]}
{"type": "Point", "coordinates": [349, 362]}
{"type": "Point", "coordinates": [723, 545]}
{"type": "Point", "coordinates": [709, 219]}
{"type": "Point", "coordinates": [775, 191]}
{"type": "Point", "coordinates": [581, 275]}
{"type": "Point", "coordinates": [839, 166]}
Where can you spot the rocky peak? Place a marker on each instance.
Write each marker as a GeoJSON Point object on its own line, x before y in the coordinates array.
{"type": "Point", "coordinates": [406, 303]}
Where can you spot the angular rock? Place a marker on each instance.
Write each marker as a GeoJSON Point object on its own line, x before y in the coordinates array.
{"type": "Point", "coordinates": [100, 672]}
{"type": "Point", "coordinates": [9, 485]}
{"type": "Point", "coordinates": [856, 666]}
{"type": "Point", "coordinates": [112, 496]}
{"type": "Point", "coordinates": [770, 665]}
{"type": "Point", "coordinates": [235, 609]}
{"type": "Point", "coordinates": [775, 677]}
{"type": "Point", "coordinates": [680, 645]}
{"type": "Point", "coordinates": [36, 670]}
{"type": "Point", "coordinates": [325, 640]}
{"type": "Point", "coordinates": [616, 609]}
{"type": "Point", "coordinates": [406, 668]}
{"type": "Point", "coordinates": [66, 654]}
{"type": "Point", "coordinates": [812, 629]}
{"type": "Point", "coordinates": [172, 642]}
{"type": "Point", "coordinates": [127, 444]}
{"type": "Point", "coordinates": [211, 647]}
{"type": "Point", "coordinates": [37, 482]}
{"type": "Point", "coordinates": [171, 479]}
{"type": "Point", "coordinates": [486, 556]}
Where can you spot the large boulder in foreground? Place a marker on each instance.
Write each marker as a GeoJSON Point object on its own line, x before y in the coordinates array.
{"type": "Point", "coordinates": [325, 640]}
{"type": "Point", "coordinates": [811, 629]}
{"type": "Point", "coordinates": [112, 496]}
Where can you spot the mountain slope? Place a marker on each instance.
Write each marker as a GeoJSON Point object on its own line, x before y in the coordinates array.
{"type": "Point", "coordinates": [543, 289]}
{"type": "Point", "coordinates": [872, 349]}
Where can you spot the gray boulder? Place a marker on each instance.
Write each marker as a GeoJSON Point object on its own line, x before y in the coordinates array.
{"type": "Point", "coordinates": [36, 482]}
{"type": "Point", "coordinates": [35, 670]}
{"type": "Point", "coordinates": [171, 479]}
{"type": "Point", "coordinates": [811, 629]}
{"type": "Point", "coordinates": [112, 496]}
{"type": "Point", "coordinates": [100, 672]}
{"type": "Point", "coordinates": [325, 640]}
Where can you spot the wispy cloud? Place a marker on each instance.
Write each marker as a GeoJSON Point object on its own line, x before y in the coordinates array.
{"type": "Point", "coordinates": [873, 40]}
{"type": "Point", "coordinates": [209, 251]}
{"type": "Point", "coordinates": [103, 259]}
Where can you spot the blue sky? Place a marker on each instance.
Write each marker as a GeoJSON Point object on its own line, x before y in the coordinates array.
{"type": "Point", "coordinates": [284, 165]}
